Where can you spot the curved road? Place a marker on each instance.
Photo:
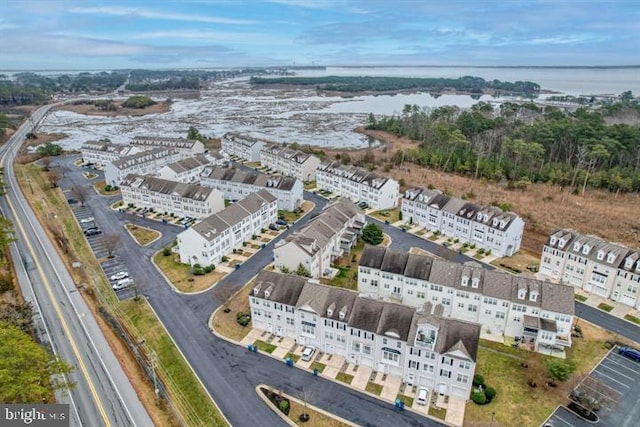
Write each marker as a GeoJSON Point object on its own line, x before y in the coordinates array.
{"type": "Point", "coordinates": [102, 395]}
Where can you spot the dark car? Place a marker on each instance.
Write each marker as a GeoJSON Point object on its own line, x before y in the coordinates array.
{"type": "Point", "coordinates": [273, 227]}
{"type": "Point", "coordinates": [281, 222]}
{"type": "Point", "coordinates": [72, 201]}
{"type": "Point", "coordinates": [92, 231]}
{"type": "Point", "coordinates": [630, 352]}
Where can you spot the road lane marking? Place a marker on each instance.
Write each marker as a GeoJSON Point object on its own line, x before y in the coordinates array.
{"type": "Point", "coordinates": [616, 370]}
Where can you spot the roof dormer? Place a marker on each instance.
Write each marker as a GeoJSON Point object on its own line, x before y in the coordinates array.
{"type": "Point", "coordinates": [475, 282]}
{"type": "Point", "coordinates": [330, 309]}
{"type": "Point", "coordinates": [495, 222]}
{"type": "Point", "coordinates": [586, 249]}
{"type": "Point", "coordinates": [267, 291]}
{"type": "Point", "coordinates": [256, 289]}
{"type": "Point", "coordinates": [628, 263]}
{"type": "Point", "coordinates": [342, 314]}
{"type": "Point", "coordinates": [600, 255]}
{"type": "Point", "coordinates": [522, 293]}
{"type": "Point", "coordinates": [611, 257]}
{"type": "Point", "coordinates": [576, 246]}
{"type": "Point", "coordinates": [553, 240]}
{"type": "Point", "coordinates": [533, 296]}
{"type": "Point", "coordinates": [561, 243]}
{"type": "Point", "coordinates": [465, 281]}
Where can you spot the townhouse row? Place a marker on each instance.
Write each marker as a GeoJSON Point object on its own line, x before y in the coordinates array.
{"type": "Point", "coordinates": [207, 241]}
{"type": "Point", "coordinates": [420, 346]}
{"type": "Point", "coordinates": [589, 263]}
{"type": "Point", "coordinates": [538, 314]}
{"type": "Point", "coordinates": [328, 236]}
{"type": "Point", "coordinates": [487, 227]}
{"type": "Point", "coordinates": [290, 162]}
{"type": "Point", "coordinates": [243, 146]}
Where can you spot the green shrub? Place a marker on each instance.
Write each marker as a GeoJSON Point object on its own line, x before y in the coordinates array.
{"type": "Point", "coordinates": [224, 258]}
{"type": "Point", "coordinates": [478, 380]}
{"type": "Point", "coordinates": [207, 269]}
{"type": "Point", "coordinates": [560, 369]}
{"type": "Point", "coordinates": [490, 393]}
{"type": "Point", "coordinates": [239, 315]}
{"type": "Point", "coordinates": [479, 398]}
{"type": "Point", "coordinates": [107, 187]}
{"type": "Point", "coordinates": [284, 406]}
{"type": "Point", "coordinates": [481, 250]}
{"type": "Point", "coordinates": [166, 251]}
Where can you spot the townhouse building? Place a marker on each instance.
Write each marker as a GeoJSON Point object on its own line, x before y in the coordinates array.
{"type": "Point", "coordinates": [142, 163]}
{"type": "Point", "coordinates": [358, 184]}
{"type": "Point", "coordinates": [539, 314]}
{"type": "Point", "coordinates": [236, 184]}
{"type": "Point", "coordinates": [589, 263]}
{"type": "Point", "coordinates": [290, 162]}
{"type": "Point", "coordinates": [420, 346]}
{"type": "Point", "coordinates": [186, 147]}
{"type": "Point", "coordinates": [243, 146]}
{"type": "Point", "coordinates": [487, 227]}
{"type": "Point", "coordinates": [326, 237]}
{"type": "Point", "coordinates": [186, 170]}
{"type": "Point", "coordinates": [170, 197]}
{"type": "Point", "coordinates": [100, 153]}
{"type": "Point", "coordinates": [207, 241]}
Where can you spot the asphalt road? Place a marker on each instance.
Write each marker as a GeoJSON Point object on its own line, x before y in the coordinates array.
{"type": "Point", "coordinates": [102, 394]}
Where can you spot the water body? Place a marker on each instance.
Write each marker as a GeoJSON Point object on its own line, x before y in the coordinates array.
{"type": "Point", "coordinates": [301, 115]}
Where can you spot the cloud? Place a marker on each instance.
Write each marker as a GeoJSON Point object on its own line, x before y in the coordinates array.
{"type": "Point", "coordinates": [203, 35]}
{"type": "Point", "coordinates": [151, 14]}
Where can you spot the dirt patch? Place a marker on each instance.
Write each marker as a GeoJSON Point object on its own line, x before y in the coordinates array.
{"type": "Point", "coordinates": [92, 110]}
{"type": "Point", "coordinates": [543, 207]}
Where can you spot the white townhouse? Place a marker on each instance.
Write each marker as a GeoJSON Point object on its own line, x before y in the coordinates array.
{"type": "Point", "coordinates": [243, 146]}
{"type": "Point", "coordinates": [185, 170]}
{"type": "Point", "coordinates": [170, 197]}
{"type": "Point", "coordinates": [609, 270]}
{"type": "Point", "coordinates": [236, 184]}
{"type": "Point", "coordinates": [539, 313]}
{"type": "Point", "coordinates": [101, 153]}
{"type": "Point", "coordinates": [186, 147]}
{"type": "Point", "coordinates": [290, 162]}
{"type": "Point", "coordinates": [487, 227]}
{"type": "Point", "coordinates": [142, 163]}
{"type": "Point", "coordinates": [418, 346]}
{"type": "Point", "coordinates": [326, 237]}
{"type": "Point", "coordinates": [207, 241]}
{"type": "Point", "coordinates": [358, 184]}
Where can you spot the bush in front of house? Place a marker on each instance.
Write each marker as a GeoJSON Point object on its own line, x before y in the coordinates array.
{"type": "Point", "coordinates": [479, 398]}
{"type": "Point", "coordinates": [478, 380]}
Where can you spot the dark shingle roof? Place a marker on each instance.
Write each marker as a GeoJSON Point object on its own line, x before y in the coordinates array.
{"type": "Point", "coordinates": [282, 288]}
{"type": "Point", "coordinates": [372, 256]}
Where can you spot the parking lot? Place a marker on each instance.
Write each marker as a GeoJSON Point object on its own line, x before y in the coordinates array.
{"type": "Point", "coordinates": [621, 376]}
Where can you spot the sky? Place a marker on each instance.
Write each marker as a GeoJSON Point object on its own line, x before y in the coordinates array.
{"type": "Point", "coordinates": [114, 34]}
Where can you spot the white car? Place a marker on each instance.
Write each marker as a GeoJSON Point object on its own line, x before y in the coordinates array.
{"type": "Point", "coordinates": [307, 353]}
{"type": "Point", "coordinates": [120, 275]}
{"type": "Point", "coordinates": [121, 284]}
{"type": "Point", "coordinates": [423, 394]}
{"type": "Point", "coordinates": [86, 220]}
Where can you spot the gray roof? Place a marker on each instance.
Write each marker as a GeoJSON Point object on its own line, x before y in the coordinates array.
{"type": "Point", "coordinates": [159, 141]}
{"type": "Point", "coordinates": [353, 173]}
{"type": "Point", "coordinates": [395, 319]}
{"type": "Point", "coordinates": [189, 163]}
{"type": "Point", "coordinates": [222, 173]}
{"type": "Point", "coordinates": [365, 314]}
{"type": "Point", "coordinates": [287, 153]}
{"type": "Point", "coordinates": [164, 186]}
{"type": "Point", "coordinates": [143, 157]}
{"type": "Point", "coordinates": [242, 139]}
{"type": "Point", "coordinates": [284, 289]}
{"type": "Point", "coordinates": [491, 283]}
{"type": "Point", "coordinates": [106, 147]}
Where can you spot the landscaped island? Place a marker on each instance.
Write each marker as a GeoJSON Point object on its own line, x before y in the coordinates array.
{"type": "Point", "coordinates": [466, 84]}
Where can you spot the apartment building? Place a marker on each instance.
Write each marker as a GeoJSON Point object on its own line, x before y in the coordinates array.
{"type": "Point", "coordinates": [100, 153]}
{"type": "Point", "coordinates": [290, 162]}
{"type": "Point", "coordinates": [186, 147]}
{"type": "Point", "coordinates": [207, 241]}
{"type": "Point", "coordinates": [326, 237]}
{"type": "Point", "coordinates": [487, 227]}
{"type": "Point", "coordinates": [539, 313]}
{"type": "Point", "coordinates": [142, 163]}
{"type": "Point", "coordinates": [236, 184]}
{"type": "Point", "coordinates": [358, 184]}
{"type": "Point", "coordinates": [171, 197]}
{"type": "Point", "coordinates": [243, 146]}
{"type": "Point", "coordinates": [589, 263]}
{"type": "Point", "coordinates": [186, 170]}
{"type": "Point", "coordinates": [420, 346]}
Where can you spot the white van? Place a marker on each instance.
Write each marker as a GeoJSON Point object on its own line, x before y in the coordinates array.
{"type": "Point", "coordinates": [308, 352]}
{"type": "Point", "coordinates": [423, 394]}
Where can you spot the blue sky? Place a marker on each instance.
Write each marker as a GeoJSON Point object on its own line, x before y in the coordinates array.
{"type": "Point", "coordinates": [58, 34]}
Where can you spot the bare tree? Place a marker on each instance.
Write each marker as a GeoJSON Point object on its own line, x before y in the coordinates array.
{"type": "Point", "coordinates": [306, 396]}
{"type": "Point", "coordinates": [80, 193]}
{"type": "Point", "coordinates": [223, 294]}
{"type": "Point", "coordinates": [54, 176]}
{"type": "Point", "coordinates": [110, 242]}
{"type": "Point", "coordinates": [593, 395]}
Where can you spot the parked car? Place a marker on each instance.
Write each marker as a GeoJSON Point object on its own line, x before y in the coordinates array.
{"type": "Point", "coordinates": [307, 353]}
{"type": "Point", "coordinates": [630, 352]}
{"type": "Point", "coordinates": [281, 222]}
{"type": "Point", "coordinates": [72, 201]}
{"type": "Point", "coordinates": [120, 275]}
{"type": "Point", "coordinates": [93, 231]}
{"type": "Point", "coordinates": [86, 220]}
{"type": "Point", "coordinates": [274, 227]}
{"type": "Point", "coordinates": [423, 394]}
{"type": "Point", "coordinates": [123, 283]}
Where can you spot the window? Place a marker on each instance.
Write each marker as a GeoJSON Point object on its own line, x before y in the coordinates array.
{"type": "Point", "coordinates": [445, 373]}
{"type": "Point", "coordinates": [366, 349]}
{"type": "Point", "coordinates": [499, 315]}
{"type": "Point", "coordinates": [472, 308]}
{"type": "Point", "coordinates": [390, 357]}
{"type": "Point", "coordinates": [414, 365]}
{"type": "Point", "coordinates": [464, 379]}
{"type": "Point", "coordinates": [308, 330]}
{"type": "Point", "coordinates": [355, 346]}
{"type": "Point", "coordinates": [464, 365]}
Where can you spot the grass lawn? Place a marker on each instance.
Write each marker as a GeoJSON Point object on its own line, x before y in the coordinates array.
{"type": "Point", "coordinates": [420, 232]}
{"type": "Point", "coordinates": [293, 357]}
{"type": "Point", "coordinates": [225, 323]}
{"type": "Point", "coordinates": [180, 274]}
{"type": "Point", "coordinates": [408, 401]}
{"type": "Point", "coordinates": [374, 388]}
{"type": "Point", "coordinates": [345, 378]}
{"type": "Point", "coordinates": [198, 408]}
{"type": "Point", "coordinates": [142, 235]}
{"type": "Point", "coordinates": [293, 216]}
{"type": "Point", "coordinates": [317, 365]}
{"type": "Point", "coordinates": [438, 412]}
{"type": "Point", "coordinates": [391, 215]}
{"type": "Point", "coordinates": [347, 277]}
{"type": "Point", "coordinates": [523, 261]}
{"type": "Point", "coordinates": [264, 346]}
{"type": "Point", "coordinates": [479, 256]}
{"type": "Point", "coordinates": [308, 185]}
{"type": "Point", "coordinates": [253, 164]}
{"type": "Point", "coordinates": [316, 419]}
{"type": "Point", "coordinates": [633, 319]}
{"type": "Point", "coordinates": [99, 186]}
{"type": "Point", "coordinates": [580, 298]}
{"type": "Point", "coordinates": [433, 237]}
{"type": "Point", "coordinates": [517, 404]}
{"type": "Point", "coordinates": [605, 307]}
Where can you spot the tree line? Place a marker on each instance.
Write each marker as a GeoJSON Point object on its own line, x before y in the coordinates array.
{"type": "Point", "coordinates": [469, 84]}
{"type": "Point", "coordinates": [524, 143]}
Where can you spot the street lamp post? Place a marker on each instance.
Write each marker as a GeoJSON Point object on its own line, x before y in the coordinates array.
{"type": "Point", "coordinates": [493, 414]}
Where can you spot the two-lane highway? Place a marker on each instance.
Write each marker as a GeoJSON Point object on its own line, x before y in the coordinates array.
{"type": "Point", "coordinates": [103, 395]}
